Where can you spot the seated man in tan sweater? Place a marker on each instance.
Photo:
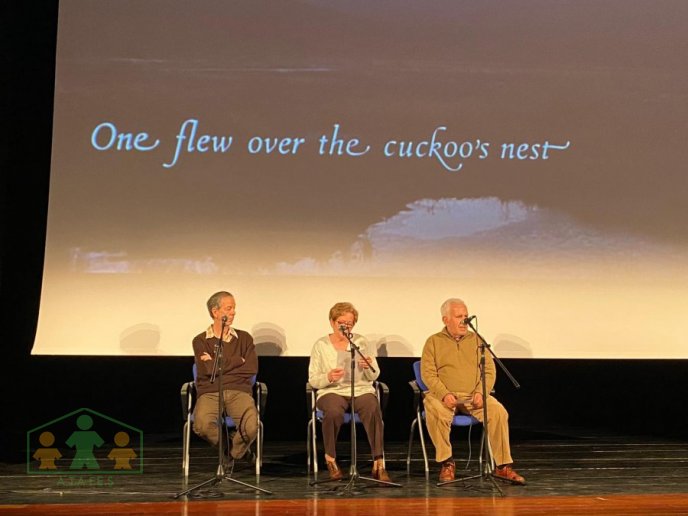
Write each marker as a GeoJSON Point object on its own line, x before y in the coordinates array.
{"type": "Point", "coordinates": [450, 367]}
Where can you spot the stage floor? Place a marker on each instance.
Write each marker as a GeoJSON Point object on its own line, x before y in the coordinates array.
{"type": "Point", "coordinates": [564, 472]}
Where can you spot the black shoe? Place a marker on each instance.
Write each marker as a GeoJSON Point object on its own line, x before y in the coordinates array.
{"type": "Point", "coordinates": [227, 444]}
{"type": "Point", "coordinates": [228, 464]}
{"type": "Point", "coordinates": [246, 461]}
{"type": "Point", "coordinates": [249, 457]}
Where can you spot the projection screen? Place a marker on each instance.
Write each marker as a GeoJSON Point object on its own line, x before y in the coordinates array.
{"type": "Point", "coordinates": [528, 157]}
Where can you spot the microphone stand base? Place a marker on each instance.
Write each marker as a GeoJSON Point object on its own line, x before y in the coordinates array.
{"type": "Point", "coordinates": [351, 482]}
{"type": "Point", "coordinates": [482, 476]}
{"type": "Point", "coordinates": [220, 476]}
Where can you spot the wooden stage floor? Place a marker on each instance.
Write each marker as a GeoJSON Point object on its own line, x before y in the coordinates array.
{"type": "Point", "coordinates": [566, 475]}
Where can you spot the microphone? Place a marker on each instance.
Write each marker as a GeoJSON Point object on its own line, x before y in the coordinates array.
{"type": "Point", "coordinates": [467, 320]}
{"type": "Point", "coordinates": [345, 330]}
{"type": "Point", "coordinates": [224, 319]}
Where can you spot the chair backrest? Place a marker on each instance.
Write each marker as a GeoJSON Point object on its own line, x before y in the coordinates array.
{"type": "Point", "coordinates": [419, 380]}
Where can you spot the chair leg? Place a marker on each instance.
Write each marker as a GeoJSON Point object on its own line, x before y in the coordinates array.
{"type": "Point", "coordinates": [410, 444]}
{"type": "Point", "coordinates": [417, 422]}
{"type": "Point", "coordinates": [384, 463]}
{"type": "Point", "coordinates": [259, 448]}
{"type": "Point", "coordinates": [422, 445]}
{"type": "Point", "coordinates": [184, 446]}
{"type": "Point", "coordinates": [186, 436]}
{"type": "Point", "coordinates": [308, 447]}
{"type": "Point", "coordinates": [314, 447]}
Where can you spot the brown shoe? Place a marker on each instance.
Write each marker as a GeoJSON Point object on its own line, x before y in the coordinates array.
{"type": "Point", "coordinates": [379, 472]}
{"type": "Point", "coordinates": [334, 471]}
{"type": "Point", "coordinates": [447, 471]}
{"type": "Point", "coordinates": [506, 472]}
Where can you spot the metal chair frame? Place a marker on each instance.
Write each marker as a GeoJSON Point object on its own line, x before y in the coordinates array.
{"type": "Point", "coordinates": [316, 415]}
{"type": "Point", "coordinates": [460, 420]}
{"type": "Point", "coordinates": [188, 399]}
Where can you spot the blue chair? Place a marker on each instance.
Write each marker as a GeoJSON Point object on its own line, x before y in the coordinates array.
{"type": "Point", "coordinates": [188, 394]}
{"type": "Point", "coordinates": [460, 420]}
{"type": "Point", "coordinates": [316, 416]}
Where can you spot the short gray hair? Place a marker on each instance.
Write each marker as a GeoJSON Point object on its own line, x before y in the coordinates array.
{"type": "Point", "coordinates": [444, 309]}
{"type": "Point", "coordinates": [216, 299]}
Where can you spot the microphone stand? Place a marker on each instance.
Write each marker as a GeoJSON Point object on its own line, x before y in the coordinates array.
{"type": "Point", "coordinates": [353, 470]}
{"type": "Point", "coordinates": [220, 473]}
{"type": "Point", "coordinates": [486, 463]}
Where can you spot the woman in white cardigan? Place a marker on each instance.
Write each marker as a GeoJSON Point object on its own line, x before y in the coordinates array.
{"type": "Point", "coordinates": [329, 371]}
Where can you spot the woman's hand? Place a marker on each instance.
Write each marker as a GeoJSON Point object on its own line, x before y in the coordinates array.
{"type": "Point", "coordinates": [363, 364]}
{"type": "Point", "coordinates": [335, 374]}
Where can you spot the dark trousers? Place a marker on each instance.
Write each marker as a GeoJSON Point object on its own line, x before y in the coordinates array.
{"type": "Point", "coordinates": [335, 406]}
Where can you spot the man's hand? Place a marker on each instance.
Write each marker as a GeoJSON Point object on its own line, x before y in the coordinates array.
{"type": "Point", "coordinates": [335, 374]}
{"type": "Point", "coordinates": [477, 400]}
{"type": "Point", "coordinates": [205, 357]}
{"type": "Point", "coordinates": [450, 401]}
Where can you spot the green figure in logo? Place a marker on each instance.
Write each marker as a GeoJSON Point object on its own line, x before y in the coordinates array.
{"type": "Point", "coordinates": [84, 440]}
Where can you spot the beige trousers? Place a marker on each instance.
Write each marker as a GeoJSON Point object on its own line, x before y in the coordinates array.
{"type": "Point", "coordinates": [240, 406]}
{"type": "Point", "coordinates": [438, 419]}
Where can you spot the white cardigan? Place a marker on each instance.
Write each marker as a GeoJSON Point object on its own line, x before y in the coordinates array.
{"type": "Point", "coordinates": [324, 358]}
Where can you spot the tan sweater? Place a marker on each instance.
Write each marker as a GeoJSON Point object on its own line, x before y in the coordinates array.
{"type": "Point", "coordinates": [451, 366]}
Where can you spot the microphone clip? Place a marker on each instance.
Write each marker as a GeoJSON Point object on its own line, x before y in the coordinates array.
{"type": "Point", "coordinates": [344, 330]}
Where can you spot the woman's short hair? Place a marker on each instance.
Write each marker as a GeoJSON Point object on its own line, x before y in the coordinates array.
{"type": "Point", "coordinates": [341, 309]}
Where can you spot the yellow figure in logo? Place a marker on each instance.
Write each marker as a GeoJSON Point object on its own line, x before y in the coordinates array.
{"type": "Point", "coordinates": [122, 455]}
{"type": "Point", "coordinates": [47, 455]}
